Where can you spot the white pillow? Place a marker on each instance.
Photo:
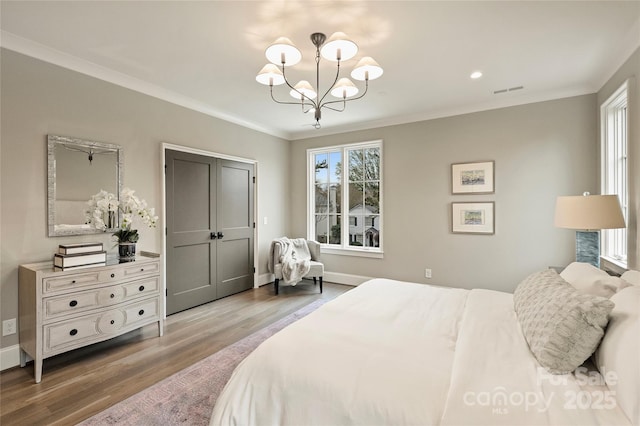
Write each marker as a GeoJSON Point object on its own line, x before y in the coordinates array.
{"type": "Point", "coordinates": [619, 351]}
{"type": "Point", "coordinates": [632, 277]}
{"type": "Point", "coordinates": [588, 279]}
{"type": "Point", "coordinates": [601, 286]}
{"type": "Point", "coordinates": [578, 270]}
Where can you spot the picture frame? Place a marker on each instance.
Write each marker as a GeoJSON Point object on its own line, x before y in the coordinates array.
{"type": "Point", "coordinates": [473, 178]}
{"type": "Point", "coordinates": [473, 218]}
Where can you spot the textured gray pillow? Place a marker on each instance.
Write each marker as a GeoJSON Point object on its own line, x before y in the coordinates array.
{"type": "Point", "coordinates": [563, 327]}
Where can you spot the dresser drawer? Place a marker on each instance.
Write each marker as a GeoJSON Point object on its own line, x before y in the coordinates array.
{"type": "Point", "coordinates": [71, 334]}
{"type": "Point", "coordinates": [78, 302]}
{"type": "Point", "coordinates": [82, 280]}
{"type": "Point", "coordinates": [136, 270]}
{"type": "Point", "coordinates": [66, 282]}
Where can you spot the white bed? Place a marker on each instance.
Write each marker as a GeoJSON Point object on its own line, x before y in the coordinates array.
{"type": "Point", "coordinates": [391, 353]}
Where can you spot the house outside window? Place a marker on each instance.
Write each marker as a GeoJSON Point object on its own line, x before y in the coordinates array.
{"type": "Point", "coordinates": [345, 188]}
{"type": "Point", "coordinates": [614, 175]}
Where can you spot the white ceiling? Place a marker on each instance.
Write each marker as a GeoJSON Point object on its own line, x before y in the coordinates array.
{"type": "Point", "coordinates": [205, 55]}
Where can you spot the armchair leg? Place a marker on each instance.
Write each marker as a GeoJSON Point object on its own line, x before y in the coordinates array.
{"type": "Point", "coordinates": [320, 284]}
{"type": "Point", "coordinates": [314, 281]}
{"type": "Point", "coordinates": [275, 283]}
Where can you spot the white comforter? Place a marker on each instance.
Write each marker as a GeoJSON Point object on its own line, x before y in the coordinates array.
{"type": "Point", "coordinates": [392, 353]}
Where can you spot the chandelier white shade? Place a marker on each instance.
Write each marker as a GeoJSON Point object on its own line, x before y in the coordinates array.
{"type": "Point", "coordinates": [344, 88]}
{"type": "Point", "coordinates": [270, 75]}
{"type": "Point", "coordinates": [366, 68]}
{"type": "Point", "coordinates": [301, 89]}
{"type": "Point", "coordinates": [283, 53]}
{"type": "Point", "coordinates": [338, 48]}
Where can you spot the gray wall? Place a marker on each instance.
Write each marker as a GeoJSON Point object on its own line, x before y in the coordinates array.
{"type": "Point", "coordinates": [39, 98]}
{"type": "Point", "coordinates": [540, 150]}
{"type": "Point", "coordinates": [629, 70]}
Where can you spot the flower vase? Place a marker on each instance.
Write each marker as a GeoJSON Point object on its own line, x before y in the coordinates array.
{"type": "Point", "coordinates": [126, 252]}
{"type": "Point", "coordinates": [111, 220]}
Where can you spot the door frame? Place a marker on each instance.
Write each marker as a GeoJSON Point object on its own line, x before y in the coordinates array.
{"type": "Point", "coordinates": [170, 146]}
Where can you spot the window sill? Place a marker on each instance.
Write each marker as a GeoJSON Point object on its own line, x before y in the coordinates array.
{"type": "Point", "coordinates": [352, 252]}
{"type": "Point", "coordinates": [614, 265]}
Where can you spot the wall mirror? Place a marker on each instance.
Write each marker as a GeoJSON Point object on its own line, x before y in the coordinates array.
{"type": "Point", "coordinates": [77, 170]}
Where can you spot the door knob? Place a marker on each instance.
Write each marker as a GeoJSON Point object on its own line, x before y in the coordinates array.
{"type": "Point", "coordinates": [220, 235]}
{"type": "Point", "coordinates": [213, 236]}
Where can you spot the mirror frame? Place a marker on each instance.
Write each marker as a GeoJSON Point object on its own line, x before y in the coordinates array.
{"type": "Point", "coordinates": [52, 141]}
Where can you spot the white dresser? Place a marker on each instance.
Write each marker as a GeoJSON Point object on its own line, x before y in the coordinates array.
{"type": "Point", "coordinates": [64, 310]}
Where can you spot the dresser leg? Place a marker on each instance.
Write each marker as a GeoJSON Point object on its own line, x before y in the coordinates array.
{"type": "Point", "coordinates": [160, 328]}
{"type": "Point", "coordinates": [23, 358]}
{"type": "Point", "coordinates": [37, 369]}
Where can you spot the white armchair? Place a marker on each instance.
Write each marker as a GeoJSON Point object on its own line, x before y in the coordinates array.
{"type": "Point", "coordinates": [317, 267]}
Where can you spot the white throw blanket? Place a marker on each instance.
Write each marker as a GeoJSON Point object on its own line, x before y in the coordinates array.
{"type": "Point", "coordinates": [295, 259]}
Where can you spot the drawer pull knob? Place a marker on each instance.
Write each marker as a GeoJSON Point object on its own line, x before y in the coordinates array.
{"type": "Point", "coordinates": [113, 275]}
{"type": "Point", "coordinates": [141, 312]}
{"type": "Point", "coordinates": [141, 288]}
{"type": "Point", "coordinates": [73, 282]}
{"type": "Point", "coordinates": [141, 269]}
{"type": "Point", "coordinates": [73, 303]}
{"type": "Point", "coordinates": [73, 332]}
{"type": "Point", "coordinates": [112, 322]}
{"type": "Point", "coordinates": [112, 295]}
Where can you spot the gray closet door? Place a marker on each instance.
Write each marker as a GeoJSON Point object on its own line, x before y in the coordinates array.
{"type": "Point", "coordinates": [235, 224]}
{"type": "Point", "coordinates": [204, 258]}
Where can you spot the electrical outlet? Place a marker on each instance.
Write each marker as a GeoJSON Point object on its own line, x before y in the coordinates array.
{"type": "Point", "coordinates": [9, 327]}
{"type": "Point", "coordinates": [427, 273]}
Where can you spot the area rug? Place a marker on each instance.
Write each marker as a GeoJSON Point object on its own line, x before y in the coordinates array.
{"type": "Point", "coordinates": [188, 397]}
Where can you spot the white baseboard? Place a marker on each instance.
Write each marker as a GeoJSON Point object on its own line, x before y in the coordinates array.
{"type": "Point", "coordinates": [9, 357]}
{"type": "Point", "coordinates": [347, 279]}
{"type": "Point", "coordinates": [265, 279]}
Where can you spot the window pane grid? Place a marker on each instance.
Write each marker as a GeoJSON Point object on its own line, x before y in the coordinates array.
{"type": "Point", "coordinates": [347, 176]}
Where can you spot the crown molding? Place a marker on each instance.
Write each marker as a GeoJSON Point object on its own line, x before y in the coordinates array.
{"type": "Point", "coordinates": [44, 53]}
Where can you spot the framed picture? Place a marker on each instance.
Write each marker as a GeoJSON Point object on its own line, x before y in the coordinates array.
{"type": "Point", "coordinates": [473, 218]}
{"type": "Point", "coordinates": [472, 178]}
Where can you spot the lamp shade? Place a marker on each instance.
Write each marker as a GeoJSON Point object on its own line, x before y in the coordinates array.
{"type": "Point", "coordinates": [283, 51]}
{"type": "Point", "coordinates": [366, 69]}
{"type": "Point", "coordinates": [339, 48]}
{"type": "Point", "coordinates": [304, 87]}
{"type": "Point", "coordinates": [270, 75]}
{"type": "Point", "coordinates": [589, 212]}
{"type": "Point", "coordinates": [344, 88]}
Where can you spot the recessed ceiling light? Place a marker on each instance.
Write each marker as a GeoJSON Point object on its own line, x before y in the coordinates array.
{"type": "Point", "coordinates": [476, 74]}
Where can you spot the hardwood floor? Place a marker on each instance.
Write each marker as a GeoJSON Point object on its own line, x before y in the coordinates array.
{"type": "Point", "coordinates": [81, 383]}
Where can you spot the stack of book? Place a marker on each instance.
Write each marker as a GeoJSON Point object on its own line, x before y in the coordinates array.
{"type": "Point", "coordinates": [79, 256]}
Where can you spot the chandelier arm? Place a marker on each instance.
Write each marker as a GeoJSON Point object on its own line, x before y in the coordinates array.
{"type": "Point", "coordinates": [335, 80]}
{"type": "Point", "coordinates": [281, 102]}
{"type": "Point", "coordinates": [312, 103]}
{"type": "Point", "coordinates": [296, 90]}
{"type": "Point", "coordinates": [366, 88]}
{"type": "Point", "coordinates": [344, 105]}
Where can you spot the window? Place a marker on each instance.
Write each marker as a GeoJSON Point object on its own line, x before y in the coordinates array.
{"type": "Point", "coordinates": [345, 188]}
{"type": "Point", "coordinates": [614, 176]}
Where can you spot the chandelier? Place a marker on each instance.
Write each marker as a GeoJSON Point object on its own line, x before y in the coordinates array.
{"type": "Point", "coordinates": [337, 48]}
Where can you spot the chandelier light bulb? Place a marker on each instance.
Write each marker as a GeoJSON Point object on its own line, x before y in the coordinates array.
{"type": "Point", "coordinates": [338, 48]}
{"type": "Point", "coordinates": [344, 88]}
{"type": "Point", "coordinates": [366, 69]}
{"type": "Point", "coordinates": [270, 75]}
{"type": "Point", "coordinates": [283, 52]}
{"type": "Point", "coordinates": [304, 87]}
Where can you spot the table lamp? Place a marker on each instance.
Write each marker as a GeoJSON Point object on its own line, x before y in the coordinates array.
{"type": "Point", "coordinates": [588, 214]}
